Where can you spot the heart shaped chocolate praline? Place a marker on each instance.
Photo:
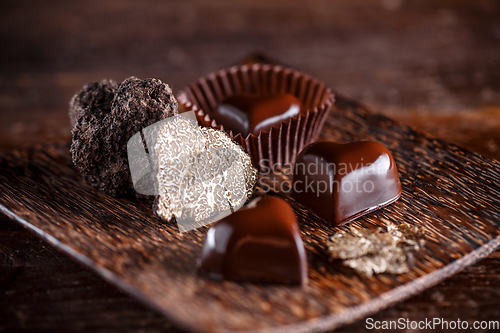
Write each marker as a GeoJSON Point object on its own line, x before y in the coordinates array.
{"type": "Point", "coordinates": [252, 113]}
{"type": "Point", "coordinates": [258, 243]}
{"type": "Point", "coordinates": [341, 182]}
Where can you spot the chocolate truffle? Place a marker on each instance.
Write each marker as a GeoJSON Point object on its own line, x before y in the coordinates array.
{"type": "Point", "coordinates": [340, 182]}
{"type": "Point", "coordinates": [251, 113]}
{"type": "Point", "coordinates": [101, 132]}
{"type": "Point", "coordinates": [258, 243]}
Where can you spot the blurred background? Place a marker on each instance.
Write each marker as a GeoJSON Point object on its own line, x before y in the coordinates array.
{"type": "Point", "coordinates": [431, 64]}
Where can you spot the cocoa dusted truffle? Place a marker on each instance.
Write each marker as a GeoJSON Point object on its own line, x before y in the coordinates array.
{"type": "Point", "coordinates": [101, 131]}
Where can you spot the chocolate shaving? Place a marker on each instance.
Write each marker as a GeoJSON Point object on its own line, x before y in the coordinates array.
{"type": "Point", "coordinates": [371, 251]}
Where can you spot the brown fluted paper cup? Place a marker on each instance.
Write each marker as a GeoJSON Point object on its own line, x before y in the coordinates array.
{"type": "Point", "coordinates": [279, 146]}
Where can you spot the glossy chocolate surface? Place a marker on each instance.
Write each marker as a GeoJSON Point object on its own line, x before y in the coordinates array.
{"type": "Point", "coordinates": [340, 182]}
{"type": "Point", "coordinates": [249, 113]}
{"type": "Point", "coordinates": [258, 243]}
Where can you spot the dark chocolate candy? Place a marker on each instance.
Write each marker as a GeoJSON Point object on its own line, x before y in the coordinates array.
{"type": "Point", "coordinates": [250, 113]}
{"type": "Point", "coordinates": [258, 243]}
{"type": "Point", "coordinates": [340, 182]}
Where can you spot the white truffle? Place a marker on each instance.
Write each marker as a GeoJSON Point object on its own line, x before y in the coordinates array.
{"type": "Point", "coordinates": [202, 173]}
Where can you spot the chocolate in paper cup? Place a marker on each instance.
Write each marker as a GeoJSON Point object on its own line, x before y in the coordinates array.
{"type": "Point", "coordinates": [279, 146]}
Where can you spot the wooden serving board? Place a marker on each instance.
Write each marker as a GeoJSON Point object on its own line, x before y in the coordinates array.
{"type": "Point", "coordinates": [454, 194]}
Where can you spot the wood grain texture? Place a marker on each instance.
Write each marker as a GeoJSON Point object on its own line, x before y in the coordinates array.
{"type": "Point", "coordinates": [452, 193]}
{"type": "Point", "coordinates": [431, 64]}
{"type": "Point", "coordinates": [415, 60]}
{"type": "Point", "coordinates": [74, 298]}
{"type": "Point", "coordinates": [44, 290]}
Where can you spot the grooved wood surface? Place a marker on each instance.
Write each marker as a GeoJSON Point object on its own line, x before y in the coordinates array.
{"type": "Point", "coordinates": [452, 193]}
{"type": "Point", "coordinates": [432, 64]}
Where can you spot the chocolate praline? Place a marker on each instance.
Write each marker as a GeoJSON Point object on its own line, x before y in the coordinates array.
{"type": "Point", "coordinates": [259, 243]}
{"type": "Point", "coordinates": [252, 113]}
{"type": "Point", "coordinates": [340, 182]}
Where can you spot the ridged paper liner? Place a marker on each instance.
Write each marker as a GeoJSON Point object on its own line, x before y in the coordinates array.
{"type": "Point", "coordinates": [280, 145]}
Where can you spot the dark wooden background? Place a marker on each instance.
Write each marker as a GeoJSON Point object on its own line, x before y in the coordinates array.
{"type": "Point", "coordinates": [432, 64]}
